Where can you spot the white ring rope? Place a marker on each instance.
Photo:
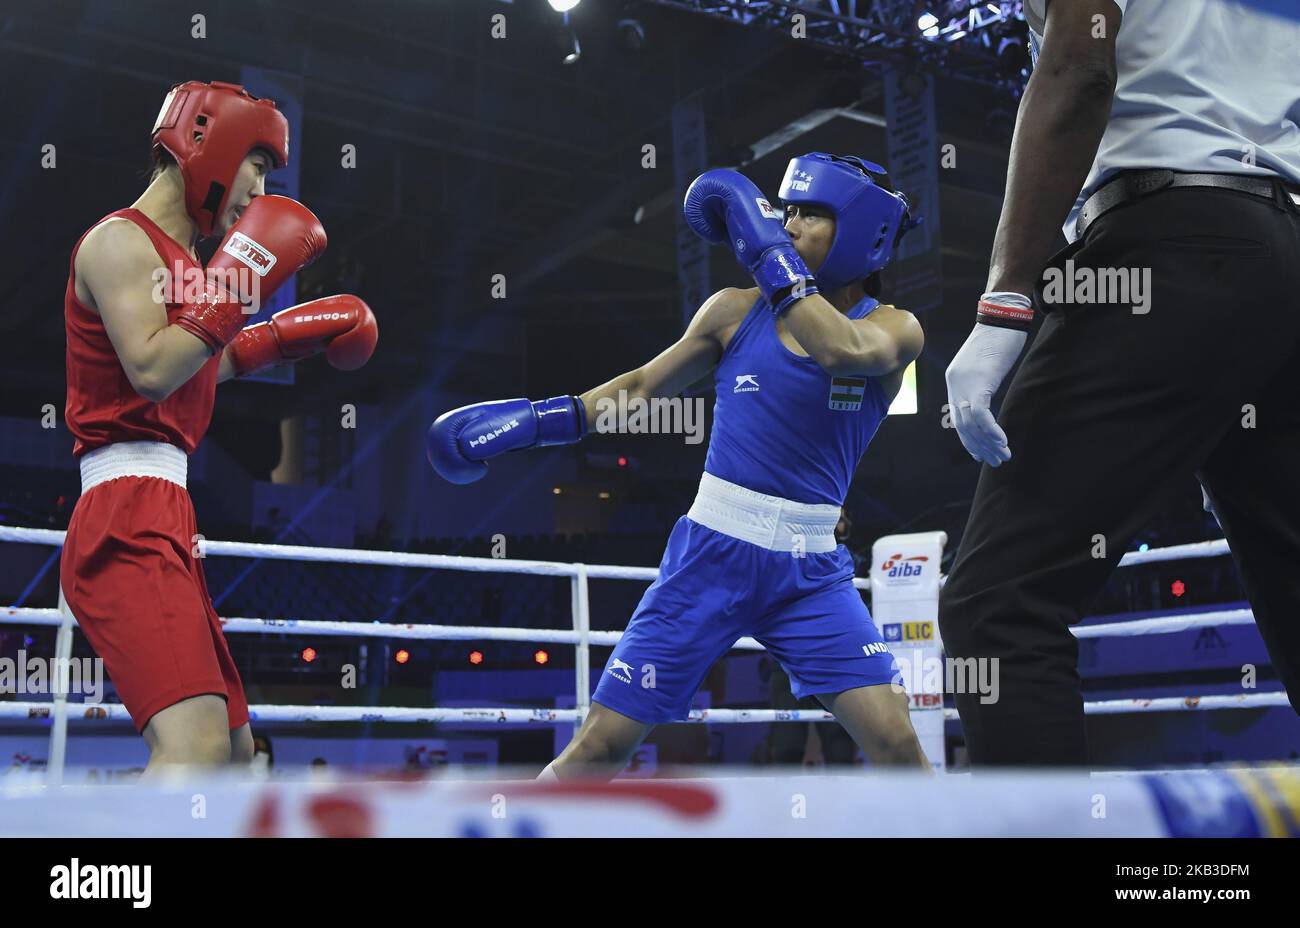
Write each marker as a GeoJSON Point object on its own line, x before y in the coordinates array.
{"type": "Point", "coordinates": [1176, 553]}
{"type": "Point", "coordinates": [41, 536]}
{"type": "Point", "coordinates": [1156, 625]}
{"type": "Point", "coordinates": [50, 537]}
{"type": "Point", "coordinates": [270, 713]}
{"type": "Point", "coordinates": [116, 712]}
{"type": "Point", "coordinates": [1182, 703]}
{"type": "Point", "coordinates": [112, 711]}
{"type": "Point", "coordinates": [1165, 624]}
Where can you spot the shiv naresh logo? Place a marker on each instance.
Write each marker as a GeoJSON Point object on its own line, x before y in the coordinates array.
{"type": "Point", "coordinates": [620, 670]}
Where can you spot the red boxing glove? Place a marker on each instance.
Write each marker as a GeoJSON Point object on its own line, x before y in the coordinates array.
{"type": "Point", "coordinates": [342, 326]}
{"type": "Point", "coordinates": [273, 239]}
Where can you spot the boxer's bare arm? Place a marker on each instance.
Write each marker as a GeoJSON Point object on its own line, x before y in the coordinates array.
{"type": "Point", "coordinates": [115, 271]}
{"type": "Point", "coordinates": [691, 357]}
{"type": "Point", "coordinates": [877, 345]}
{"type": "Point", "coordinates": [885, 342]}
{"type": "Point", "coordinates": [225, 368]}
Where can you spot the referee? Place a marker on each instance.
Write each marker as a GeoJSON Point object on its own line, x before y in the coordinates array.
{"type": "Point", "coordinates": [1165, 135]}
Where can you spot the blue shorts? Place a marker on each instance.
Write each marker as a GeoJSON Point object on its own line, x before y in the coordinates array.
{"type": "Point", "coordinates": [713, 590]}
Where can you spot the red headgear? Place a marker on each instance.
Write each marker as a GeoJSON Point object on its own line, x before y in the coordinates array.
{"type": "Point", "coordinates": [209, 129]}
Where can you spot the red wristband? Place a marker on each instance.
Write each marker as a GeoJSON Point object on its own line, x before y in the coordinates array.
{"type": "Point", "coordinates": [1000, 314]}
{"type": "Point", "coordinates": [215, 318]}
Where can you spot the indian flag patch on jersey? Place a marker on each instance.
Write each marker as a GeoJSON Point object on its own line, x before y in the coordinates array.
{"type": "Point", "coordinates": [846, 393]}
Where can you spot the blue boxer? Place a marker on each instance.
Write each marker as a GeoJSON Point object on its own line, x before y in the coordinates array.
{"type": "Point", "coordinates": [756, 554]}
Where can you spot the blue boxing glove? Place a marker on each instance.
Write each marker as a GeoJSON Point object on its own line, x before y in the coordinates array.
{"type": "Point", "coordinates": [460, 441]}
{"type": "Point", "coordinates": [723, 205]}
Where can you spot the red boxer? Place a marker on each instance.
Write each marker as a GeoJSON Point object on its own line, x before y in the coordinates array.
{"type": "Point", "coordinates": [150, 335]}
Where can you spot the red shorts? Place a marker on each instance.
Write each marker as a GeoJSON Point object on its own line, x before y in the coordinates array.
{"type": "Point", "coordinates": [141, 598]}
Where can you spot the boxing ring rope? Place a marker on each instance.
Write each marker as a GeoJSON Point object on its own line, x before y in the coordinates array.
{"type": "Point", "coordinates": [281, 713]}
{"type": "Point", "coordinates": [1133, 628]}
{"type": "Point", "coordinates": [581, 636]}
{"type": "Point", "coordinates": [1176, 553]}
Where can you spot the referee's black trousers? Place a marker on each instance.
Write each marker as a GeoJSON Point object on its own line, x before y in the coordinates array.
{"type": "Point", "coordinates": [1111, 413]}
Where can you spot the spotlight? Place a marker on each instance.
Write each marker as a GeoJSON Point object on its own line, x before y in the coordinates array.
{"type": "Point", "coordinates": [570, 43]}
{"type": "Point", "coordinates": [563, 6]}
{"type": "Point", "coordinates": [567, 41]}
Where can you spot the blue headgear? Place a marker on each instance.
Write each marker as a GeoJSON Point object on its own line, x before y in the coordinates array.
{"type": "Point", "coordinates": [867, 216]}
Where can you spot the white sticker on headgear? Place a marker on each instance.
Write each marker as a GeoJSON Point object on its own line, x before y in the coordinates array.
{"type": "Point", "coordinates": [259, 259]}
{"type": "Point", "coordinates": [162, 113]}
{"type": "Point", "coordinates": [765, 208]}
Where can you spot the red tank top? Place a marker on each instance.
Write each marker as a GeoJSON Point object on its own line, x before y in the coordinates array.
{"type": "Point", "coordinates": [103, 407]}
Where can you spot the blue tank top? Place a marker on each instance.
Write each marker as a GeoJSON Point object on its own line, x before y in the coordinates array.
{"type": "Point", "coordinates": [781, 424]}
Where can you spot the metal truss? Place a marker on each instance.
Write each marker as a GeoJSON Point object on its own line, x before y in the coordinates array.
{"type": "Point", "coordinates": [962, 42]}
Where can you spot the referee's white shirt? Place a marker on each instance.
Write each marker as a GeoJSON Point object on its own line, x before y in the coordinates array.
{"type": "Point", "coordinates": [1208, 86]}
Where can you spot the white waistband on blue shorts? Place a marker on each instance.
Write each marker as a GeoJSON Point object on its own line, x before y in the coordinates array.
{"type": "Point", "coordinates": [767, 521]}
{"type": "Point", "coordinates": [133, 459]}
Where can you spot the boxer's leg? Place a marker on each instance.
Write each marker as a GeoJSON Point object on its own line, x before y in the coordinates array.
{"type": "Point", "coordinates": [241, 745]}
{"type": "Point", "coordinates": [686, 620]}
{"type": "Point", "coordinates": [825, 639]}
{"type": "Point", "coordinates": [879, 720]}
{"type": "Point", "coordinates": [191, 733]}
{"type": "Point", "coordinates": [601, 748]}
{"type": "Point", "coordinates": [135, 589]}
{"type": "Point", "coordinates": [241, 734]}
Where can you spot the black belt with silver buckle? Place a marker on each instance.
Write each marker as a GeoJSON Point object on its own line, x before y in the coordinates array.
{"type": "Point", "coordinates": [1128, 186]}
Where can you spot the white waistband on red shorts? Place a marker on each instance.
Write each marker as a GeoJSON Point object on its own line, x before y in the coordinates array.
{"type": "Point", "coordinates": [767, 521]}
{"type": "Point", "coordinates": [133, 459]}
